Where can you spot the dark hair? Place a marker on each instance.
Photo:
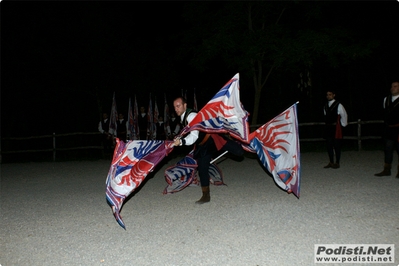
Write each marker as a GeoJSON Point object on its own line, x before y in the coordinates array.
{"type": "Point", "coordinates": [182, 99]}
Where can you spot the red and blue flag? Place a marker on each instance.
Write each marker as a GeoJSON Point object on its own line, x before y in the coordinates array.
{"type": "Point", "coordinates": [131, 163]}
{"type": "Point", "coordinates": [277, 145]}
{"type": "Point", "coordinates": [224, 113]}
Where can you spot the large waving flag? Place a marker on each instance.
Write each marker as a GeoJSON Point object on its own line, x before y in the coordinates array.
{"type": "Point", "coordinates": [224, 113]}
{"type": "Point", "coordinates": [131, 163]}
{"type": "Point", "coordinates": [113, 118]}
{"type": "Point", "coordinates": [277, 146]}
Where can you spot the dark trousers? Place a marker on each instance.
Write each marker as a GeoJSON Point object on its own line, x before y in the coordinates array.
{"type": "Point", "coordinates": [203, 154]}
{"type": "Point", "coordinates": [390, 146]}
{"type": "Point", "coordinates": [107, 143]}
{"type": "Point", "coordinates": [334, 145]}
{"type": "Point", "coordinates": [143, 134]}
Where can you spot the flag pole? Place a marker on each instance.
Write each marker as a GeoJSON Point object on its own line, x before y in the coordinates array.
{"type": "Point", "coordinates": [214, 160]}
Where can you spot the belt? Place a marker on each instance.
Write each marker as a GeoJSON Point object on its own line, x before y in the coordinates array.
{"type": "Point", "coordinates": [205, 139]}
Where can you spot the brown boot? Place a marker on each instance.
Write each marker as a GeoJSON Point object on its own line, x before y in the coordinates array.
{"type": "Point", "coordinates": [397, 175]}
{"type": "Point", "coordinates": [206, 197]}
{"type": "Point", "coordinates": [386, 171]}
{"type": "Point", "coordinates": [329, 165]}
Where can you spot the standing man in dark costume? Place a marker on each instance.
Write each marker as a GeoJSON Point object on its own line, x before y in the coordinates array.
{"type": "Point", "coordinates": [107, 139]}
{"type": "Point", "coordinates": [391, 129]}
{"type": "Point", "coordinates": [336, 118]}
{"type": "Point", "coordinates": [206, 145]}
{"type": "Point", "coordinates": [121, 128]}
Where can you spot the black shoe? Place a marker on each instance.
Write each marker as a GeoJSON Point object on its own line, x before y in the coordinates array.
{"type": "Point", "coordinates": [335, 166]}
{"type": "Point", "coordinates": [329, 165]}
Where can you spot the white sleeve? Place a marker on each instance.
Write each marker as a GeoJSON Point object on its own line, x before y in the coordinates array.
{"type": "Point", "coordinates": [343, 114]}
{"type": "Point", "coordinates": [100, 128]}
{"type": "Point", "coordinates": [383, 104]}
{"type": "Point", "coordinates": [192, 137]}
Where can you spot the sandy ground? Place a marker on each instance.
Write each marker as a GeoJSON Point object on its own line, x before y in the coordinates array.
{"type": "Point", "coordinates": [56, 214]}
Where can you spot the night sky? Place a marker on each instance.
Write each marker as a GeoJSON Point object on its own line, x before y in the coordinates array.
{"type": "Point", "coordinates": [56, 56]}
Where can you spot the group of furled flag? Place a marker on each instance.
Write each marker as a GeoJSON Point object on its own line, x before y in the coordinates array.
{"type": "Point", "coordinates": [276, 143]}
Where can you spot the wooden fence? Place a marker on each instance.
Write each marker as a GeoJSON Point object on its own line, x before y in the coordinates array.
{"type": "Point", "coordinates": [53, 140]}
{"type": "Point", "coordinates": [53, 148]}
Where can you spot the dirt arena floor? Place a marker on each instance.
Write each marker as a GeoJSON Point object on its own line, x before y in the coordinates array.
{"type": "Point", "coordinates": [56, 214]}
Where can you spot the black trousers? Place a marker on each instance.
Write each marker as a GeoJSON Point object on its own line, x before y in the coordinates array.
{"type": "Point", "coordinates": [334, 145]}
{"type": "Point", "coordinates": [204, 153]}
{"type": "Point", "coordinates": [389, 148]}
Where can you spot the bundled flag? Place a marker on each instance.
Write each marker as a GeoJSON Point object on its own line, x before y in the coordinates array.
{"type": "Point", "coordinates": [150, 125]}
{"type": "Point", "coordinates": [156, 112]}
{"type": "Point", "coordinates": [195, 106]}
{"type": "Point", "coordinates": [166, 118]}
{"type": "Point", "coordinates": [224, 113]}
{"type": "Point", "coordinates": [277, 145]}
{"type": "Point", "coordinates": [113, 118]}
{"type": "Point", "coordinates": [136, 134]}
{"type": "Point", "coordinates": [130, 129]}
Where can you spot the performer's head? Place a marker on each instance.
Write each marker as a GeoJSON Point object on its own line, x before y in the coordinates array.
{"type": "Point", "coordinates": [395, 88]}
{"type": "Point", "coordinates": [180, 105]}
{"type": "Point", "coordinates": [330, 95]}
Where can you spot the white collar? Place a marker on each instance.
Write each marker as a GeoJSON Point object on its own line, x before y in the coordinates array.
{"type": "Point", "coordinates": [182, 116]}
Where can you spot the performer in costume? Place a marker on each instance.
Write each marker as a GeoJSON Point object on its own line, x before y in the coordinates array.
{"type": "Point", "coordinates": [206, 145]}
{"type": "Point", "coordinates": [336, 118]}
{"type": "Point", "coordinates": [391, 129]}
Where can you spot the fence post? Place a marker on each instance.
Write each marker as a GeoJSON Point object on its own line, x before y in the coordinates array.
{"type": "Point", "coordinates": [359, 135]}
{"type": "Point", "coordinates": [53, 146]}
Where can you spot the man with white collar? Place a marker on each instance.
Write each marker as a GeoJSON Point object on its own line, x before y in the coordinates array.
{"type": "Point", "coordinates": [391, 128]}
{"type": "Point", "coordinates": [206, 145]}
{"type": "Point", "coordinates": [335, 118]}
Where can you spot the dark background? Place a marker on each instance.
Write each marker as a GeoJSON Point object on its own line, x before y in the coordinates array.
{"type": "Point", "coordinates": [62, 62]}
